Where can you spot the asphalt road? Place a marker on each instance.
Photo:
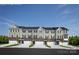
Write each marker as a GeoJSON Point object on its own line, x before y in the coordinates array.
{"type": "Point", "coordinates": [37, 51]}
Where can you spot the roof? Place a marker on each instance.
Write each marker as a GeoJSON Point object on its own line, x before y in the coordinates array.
{"type": "Point", "coordinates": [64, 28]}
{"type": "Point", "coordinates": [54, 28]}
{"type": "Point", "coordinates": [50, 28]}
{"type": "Point", "coordinates": [46, 28]}
{"type": "Point", "coordinates": [23, 27]}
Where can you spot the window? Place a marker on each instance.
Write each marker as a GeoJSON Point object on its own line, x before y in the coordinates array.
{"type": "Point", "coordinates": [58, 37]}
{"type": "Point", "coordinates": [18, 30]}
{"type": "Point", "coordinates": [35, 36]}
{"type": "Point", "coordinates": [35, 31]}
{"type": "Point", "coordinates": [60, 31]}
{"type": "Point", "coordinates": [51, 37]}
{"type": "Point", "coordinates": [62, 37]}
{"type": "Point", "coordinates": [23, 30]}
{"type": "Point", "coordinates": [40, 37]}
{"type": "Point", "coordinates": [52, 31]}
{"type": "Point", "coordinates": [23, 36]}
{"type": "Point", "coordinates": [46, 31]}
{"type": "Point", "coordinates": [57, 31]}
{"type": "Point", "coordinates": [46, 37]}
{"type": "Point", "coordinates": [65, 31]}
{"type": "Point", "coordinates": [15, 30]}
{"type": "Point", "coordinates": [65, 35]}
{"type": "Point", "coordinates": [29, 36]}
{"type": "Point", "coordinates": [40, 31]}
{"type": "Point", "coordinates": [30, 31]}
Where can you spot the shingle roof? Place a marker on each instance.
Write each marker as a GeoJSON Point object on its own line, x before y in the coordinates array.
{"type": "Point", "coordinates": [54, 28]}
{"type": "Point", "coordinates": [46, 28]}
{"type": "Point", "coordinates": [64, 28]}
{"type": "Point", "coordinates": [50, 28]}
{"type": "Point", "coordinates": [23, 27]}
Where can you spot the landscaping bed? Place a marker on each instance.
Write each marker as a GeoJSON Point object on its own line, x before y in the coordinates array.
{"type": "Point", "coordinates": [4, 40]}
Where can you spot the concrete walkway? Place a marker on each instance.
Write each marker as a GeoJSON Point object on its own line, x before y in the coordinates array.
{"type": "Point", "coordinates": [39, 45]}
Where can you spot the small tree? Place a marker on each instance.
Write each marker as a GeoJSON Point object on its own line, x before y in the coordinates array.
{"type": "Point", "coordinates": [4, 39]}
{"type": "Point", "coordinates": [74, 40]}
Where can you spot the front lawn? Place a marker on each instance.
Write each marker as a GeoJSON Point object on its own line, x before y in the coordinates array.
{"type": "Point", "coordinates": [11, 45]}
{"type": "Point", "coordinates": [65, 46]}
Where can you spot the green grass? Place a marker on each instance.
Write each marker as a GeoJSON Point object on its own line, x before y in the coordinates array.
{"type": "Point", "coordinates": [45, 43]}
{"type": "Point", "coordinates": [32, 44]}
{"type": "Point", "coordinates": [65, 46]}
{"type": "Point", "coordinates": [4, 44]}
{"type": "Point", "coordinates": [11, 45]}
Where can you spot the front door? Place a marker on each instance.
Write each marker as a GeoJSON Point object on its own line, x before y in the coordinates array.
{"type": "Point", "coordinates": [21, 41]}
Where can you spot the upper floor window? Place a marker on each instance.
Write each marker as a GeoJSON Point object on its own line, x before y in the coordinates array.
{"type": "Point", "coordinates": [23, 30]}
{"type": "Point", "coordinates": [59, 31]}
{"type": "Point", "coordinates": [35, 36]}
{"type": "Point", "coordinates": [46, 37]}
{"type": "Point", "coordinates": [23, 36]}
{"type": "Point", "coordinates": [46, 31]}
{"type": "Point", "coordinates": [18, 30]}
{"type": "Point", "coordinates": [30, 31]}
{"type": "Point", "coordinates": [52, 31]}
{"type": "Point", "coordinates": [29, 36]}
{"type": "Point", "coordinates": [14, 30]}
{"type": "Point", "coordinates": [65, 31]}
{"type": "Point", "coordinates": [65, 35]}
{"type": "Point", "coordinates": [58, 37]}
{"type": "Point", "coordinates": [35, 31]}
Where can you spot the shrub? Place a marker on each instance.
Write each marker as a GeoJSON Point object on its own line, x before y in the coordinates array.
{"type": "Point", "coordinates": [45, 42]}
{"type": "Point", "coordinates": [74, 40]}
{"type": "Point", "coordinates": [32, 44]}
{"type": "Point", "coordinates": [4, 40]}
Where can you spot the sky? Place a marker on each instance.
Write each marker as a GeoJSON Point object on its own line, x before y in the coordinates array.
{"type": "Point", "coordinates": [52, 15]}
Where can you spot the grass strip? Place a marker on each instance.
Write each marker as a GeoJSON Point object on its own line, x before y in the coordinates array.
{"type": "Point", "coordinates": [11, 45]}
{"type": "Point", "coordinates": [65, 46]}
{"type": "Point", "coordinates": [45, 42]}
{"type": "Point", "coordinates": [32, 44]}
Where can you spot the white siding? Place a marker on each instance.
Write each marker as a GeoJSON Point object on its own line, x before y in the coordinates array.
{"type": "Point", "coordinates": [40, 33]}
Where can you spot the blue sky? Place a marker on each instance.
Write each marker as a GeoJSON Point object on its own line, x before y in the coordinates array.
{"type": "Point", "coordinates": [40, 15]}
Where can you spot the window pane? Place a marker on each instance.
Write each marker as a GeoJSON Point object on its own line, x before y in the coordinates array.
{"type": "Point", "coordinates": [29, 31]}
{"type": "Point", "coordinates": [23, 30]}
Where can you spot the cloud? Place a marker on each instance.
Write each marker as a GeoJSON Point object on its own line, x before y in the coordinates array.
{"type": "Point", "coordinates": [6, 21]}
{"type": "Point", "coordinates": [73, 26]}
{"type": "Point", "coordinates": [7, 24]}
